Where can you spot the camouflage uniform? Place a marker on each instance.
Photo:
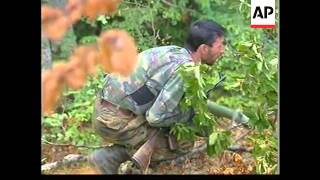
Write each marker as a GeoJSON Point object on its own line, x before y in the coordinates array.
{"type": "Point", "coordinates": [152, 93]}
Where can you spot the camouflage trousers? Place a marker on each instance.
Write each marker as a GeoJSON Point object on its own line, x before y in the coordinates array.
{"type": "Point", "coordinates": [128, 133]}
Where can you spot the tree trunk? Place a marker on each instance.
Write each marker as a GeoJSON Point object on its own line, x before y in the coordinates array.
{"type": "Point", "coordinates": [63, 49]}
{"type": "Point", "coordinates": [57, 3]}
{"type": "Point", "coordinates": [46, 56]}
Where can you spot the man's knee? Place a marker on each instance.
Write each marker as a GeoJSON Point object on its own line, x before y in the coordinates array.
{"type": "Point", "coordinates": [155, 122]}
{"type": "Point", "coordinates": [97, 127]}
{"type": "Point", "coordinates": [99, 115]}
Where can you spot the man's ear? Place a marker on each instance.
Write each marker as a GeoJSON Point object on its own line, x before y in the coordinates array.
{"type": "Point", "coordinates": [202, 49]}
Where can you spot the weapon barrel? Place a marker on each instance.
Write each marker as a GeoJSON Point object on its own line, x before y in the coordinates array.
{"type": "Point", "coordinates": [223, 111]}
{"type": "Point", "coordinates": [142, 157]}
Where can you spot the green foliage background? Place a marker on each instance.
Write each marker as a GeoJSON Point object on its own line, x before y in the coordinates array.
{"type": "Point", "coordinates": [250, 64]}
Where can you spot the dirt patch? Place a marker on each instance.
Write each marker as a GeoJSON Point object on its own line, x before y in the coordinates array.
{"type": "Point", "coordinates": [226, 163]}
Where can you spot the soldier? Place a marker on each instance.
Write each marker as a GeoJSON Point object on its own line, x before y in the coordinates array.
{"type": "Point", "coordinates": [126, 111]}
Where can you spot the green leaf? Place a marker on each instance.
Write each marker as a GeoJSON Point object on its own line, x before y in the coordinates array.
{"type": "Point", "coordinates": [203, 94]}
{"type": "Point", "coordinates": [55, 120]}
{"type": "Point", "coordinates": [102, 19]}
{"type": "Point", "coordinates": [266, 66]}
{"type": "Point", "coordinates": [80, 143]}
{"type": "Point", "coordinates": [213, 139]}
{"type": "Point", "coordinates": [274, 62]}
{"type": "Point", "coordinates": [254, 47]}
{"type": "Point", "coordinates": [259, 65]}
{"type": "Point", "coordinates": [211, 150]}
{"type": "Point", "coordinates": [88, 39]}
{"type": "Point", "coordinates": [206, 115]}
{"type": "Point", "coordinates": [60, 136]}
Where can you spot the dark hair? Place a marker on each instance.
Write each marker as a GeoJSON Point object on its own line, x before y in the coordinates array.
{"type": "Point", "coordinates": [203, 32]}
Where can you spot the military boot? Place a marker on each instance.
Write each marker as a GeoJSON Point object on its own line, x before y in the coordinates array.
{"type": "Point", "coordinates": [108, 159]}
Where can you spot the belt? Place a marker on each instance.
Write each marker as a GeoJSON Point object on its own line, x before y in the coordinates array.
{"type": "Point", "coordinates": [115, 108]}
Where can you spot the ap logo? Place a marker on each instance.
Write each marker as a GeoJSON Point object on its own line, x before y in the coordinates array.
{"type": "Point", "coordinates": [263, 14]}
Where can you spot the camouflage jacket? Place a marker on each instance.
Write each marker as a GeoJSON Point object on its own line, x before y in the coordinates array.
{"type": "Point", "coordinates": [154, 89]}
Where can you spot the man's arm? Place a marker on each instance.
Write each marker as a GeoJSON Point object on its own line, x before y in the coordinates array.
{"type": "Point", "coordinates": [165, 110]}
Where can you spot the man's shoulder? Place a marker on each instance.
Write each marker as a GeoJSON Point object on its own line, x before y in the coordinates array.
{"type": "Point", "coordinates": [172, 52]}
{"type": "Point", "coordinates": [170, 48]}
{"type": "Point", "coordinates": [161, 56]}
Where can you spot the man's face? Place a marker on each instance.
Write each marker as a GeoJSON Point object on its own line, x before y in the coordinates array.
{"type": "Point", "coordinates": [211, 53]}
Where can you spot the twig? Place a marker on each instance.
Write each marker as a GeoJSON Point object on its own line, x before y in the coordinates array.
{"type": "Point", "coordinates": [84, 146]}
{"type": "Point", "coordinates": [237, 148]}
{"type": "Point", "coordinates": [200, 149]}
{"type": "Point", "coordinates": [127, 2]}
{"type": "Point", "coordinates": [203, 147]}
{"type": "Point", "coordinates": [182, 158]}
{"type": "Point", "coordinates": [167, 3]}
{"type": "Point", "coordinates": [173, 5]}
{"type": "Point", "coordinates": [67, 160]}
{"type": "Point", "coordinates": [233, 126]}
{"type": "Point", "coordinates": [153, 29]}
